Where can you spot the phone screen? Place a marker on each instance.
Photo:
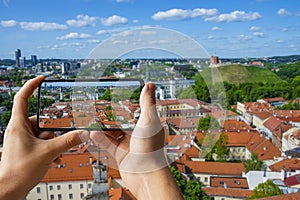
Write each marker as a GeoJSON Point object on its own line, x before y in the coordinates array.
{"type": "Point", "coordinates": [103, 104]}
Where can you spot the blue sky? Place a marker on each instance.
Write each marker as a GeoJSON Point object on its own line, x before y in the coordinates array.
{"type": "Point", "coordinates": [72, 28]}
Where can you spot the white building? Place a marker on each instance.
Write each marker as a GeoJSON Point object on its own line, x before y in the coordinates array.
{"type": "Point", "coordinates": [72, 179]}
{"type": "Point", "coordinates": [166, 89]}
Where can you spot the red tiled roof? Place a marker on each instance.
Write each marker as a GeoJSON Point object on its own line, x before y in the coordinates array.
{"type": "Point", "coordinates": [292, 180]}
{"type": "Point", "coordinates": [191, 102]}
{"type": "Point", "coordinates": [275, 99]}
{"type": "Point", "coordinates": [231, 182]}
{"type": "Point", "coordinates": [263, 115]}
{"type": "Point", "coordinates": [272, 123]}
{"type": "Point", "coordinates": [233, 169]}
{"type": "Point", "coordinates": [120, 193]}
{"type": "Point", "coordinates": [264, 148]}
{"type": "Point", "coordinates": [294, 196]}
{"type": "Point", "coordinates": [288, 164]}
{"type": "Point", "coordinates": [235, 125]}
{"type": "Point", "coordinates": [228, 192]}
{"type": "Point", "coordinates": [73, 167]}
{"type": "Point", "coordinates": [181, 122]}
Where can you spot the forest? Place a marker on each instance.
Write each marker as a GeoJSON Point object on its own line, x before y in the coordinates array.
{"type": "Point", "coordinates": [257, 83]}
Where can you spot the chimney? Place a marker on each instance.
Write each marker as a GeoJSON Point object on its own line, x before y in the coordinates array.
{"type": "Point", "coordinates": [283, 173]}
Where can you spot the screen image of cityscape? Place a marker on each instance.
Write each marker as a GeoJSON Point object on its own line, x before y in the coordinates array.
{"type": "Point", "coordinates": [227, 89]}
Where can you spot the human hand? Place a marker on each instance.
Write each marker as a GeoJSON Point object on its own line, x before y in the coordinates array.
{"type": "Point", "coordinates": [140, 158]}
{"type": "Point", "coordinates": [28, 153]}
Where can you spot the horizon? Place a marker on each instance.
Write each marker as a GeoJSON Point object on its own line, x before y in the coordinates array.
{"type": "Point", "coordinates": [228, 29]}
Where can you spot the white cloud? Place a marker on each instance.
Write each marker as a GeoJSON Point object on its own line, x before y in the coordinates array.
{"type": "Point", "coordinates": [121, 1]}
{"type": "Point", "coordinates": [283, 12]}
{"type": "Point", "coordinates": [235, 16]}
{"type": "Point", "coordinates": [255, 28]}
{"type": "Point", "coordinates": [102, 32]}
{"type": "Point", "coordinates": [42, 26]}
{"type": "Point", "coordinates": [210, 37]}
{"type": "Point", "coordinates": [258, 34]}
{"type": "Point", "coordinates": [82, 21]}
{"type": "Point", "coordinates": [215, 28]}
{"type": "Point", "coordinates": [135, 21]}
{"type": "Point", "coordinates": [8, 23]}
{"type": "Point", "coordinates": [148, 32]}
{"type": "Point", "coordinates": [74, 35]}
{"type": "Point", "coordinates": [93, 41]}
{"type": "Point", "coordinates": [243, 38]}
{"type": "Point", "coordinates": [180, 14]}
{"type": "Point", "coordinates": [280, 41]}
{"type": "Point", "coordinates": [114, 20]}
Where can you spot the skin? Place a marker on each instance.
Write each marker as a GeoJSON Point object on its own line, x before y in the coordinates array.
{"type": "Point", "coordinates": [27, 153]}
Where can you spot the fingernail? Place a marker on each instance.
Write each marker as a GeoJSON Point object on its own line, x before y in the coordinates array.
{"type": "Point", "coordinates": [85, 135]}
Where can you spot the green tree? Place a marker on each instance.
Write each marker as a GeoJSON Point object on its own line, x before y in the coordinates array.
{"type": "Point", "coordinates": [266, 189]}
{"type": "Point", "coordinates": [191, 189]}
{"type": "Point", "coordinates": [5, 117]}
{"type": "Point", "coordinates": [206, 123]}
{"type": "Point", "coordinates": [181, 182]}
{"type": "Point", "coordinates": [253, 163]}
{"type": "Point", "coordinates": [106, 96]}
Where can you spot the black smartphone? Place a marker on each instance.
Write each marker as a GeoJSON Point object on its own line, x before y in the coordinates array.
{"type": "Point", "coordinates": [92, 104]}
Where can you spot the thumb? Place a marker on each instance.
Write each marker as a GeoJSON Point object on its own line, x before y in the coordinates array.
{"type": "Point", "coordinates": [65, 142]}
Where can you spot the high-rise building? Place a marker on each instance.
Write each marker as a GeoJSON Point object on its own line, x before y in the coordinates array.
{"type": "Point", "coordinates": [33, 60]}
{"type": "Point", "coordinates": [18, 55]}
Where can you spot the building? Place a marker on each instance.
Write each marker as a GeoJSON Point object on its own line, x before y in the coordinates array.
{"type": "Point", "coordinates": [72, 179]}
{"type": "Point", "coordinates": [214, 60]}
{"type": "Point", "coordinates": [166, 89]}
{"type": "Point", "coordinates": [34, 60]}
{"type": "Point", "coordinates": [17, 56]}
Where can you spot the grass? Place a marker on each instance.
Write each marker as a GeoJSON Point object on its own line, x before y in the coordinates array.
{"type": "Point", "coordinates": [236, 74]}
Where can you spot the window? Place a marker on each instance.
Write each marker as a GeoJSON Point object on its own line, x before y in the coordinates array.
{"type": "Point", "coordinates": [89, 185]}
{"type": "Point", "coordinates": [70, 186]}
{"type": "Point", "coordinates": [50, 187]}
{"type": "Point", "coordinates": [38, 190]}
{"type": "Point", "coordinates": [81, 195]}
{"type": "Point", "coordinates": [81, 186]}
{"type": "Point", "coordinates": [59, 197]}
{"type": "Point", "coordinates": [51, 197]}
{"type": "Point", "coordinates": [70, 196]}
{"type": "Point", "coordinates": [205, 179]}
{"type": "Point", "coordinates": [58, 187]}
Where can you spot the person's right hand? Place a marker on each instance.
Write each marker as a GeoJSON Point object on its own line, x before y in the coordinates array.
{"type": "Point", "coordinates": [141, 159]}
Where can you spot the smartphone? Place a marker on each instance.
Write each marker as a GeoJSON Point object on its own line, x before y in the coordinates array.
{"type": "Point", "coordinates": [91, 104]}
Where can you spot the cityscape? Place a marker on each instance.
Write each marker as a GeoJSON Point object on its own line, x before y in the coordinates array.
{"type": "Point", "coordinates": [264, 131]}
{"type": "Point", "coordinates": [227, 77]}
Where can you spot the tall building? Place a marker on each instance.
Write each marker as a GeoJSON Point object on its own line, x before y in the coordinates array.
{"type": "Point", "coordinates": [18, 55]}
{"type": "Point", "coordinates": [33, 60]}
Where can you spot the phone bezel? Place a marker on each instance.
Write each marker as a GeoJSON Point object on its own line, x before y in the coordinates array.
{"type": "Point", "coordinates": [84, 80]}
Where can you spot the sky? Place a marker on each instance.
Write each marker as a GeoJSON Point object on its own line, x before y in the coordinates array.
{"type": "Point", "coordinates": [225, 28]}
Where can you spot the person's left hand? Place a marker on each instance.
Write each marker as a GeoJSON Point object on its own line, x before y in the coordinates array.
{"type": "Point", "coordinates": [28, 153]}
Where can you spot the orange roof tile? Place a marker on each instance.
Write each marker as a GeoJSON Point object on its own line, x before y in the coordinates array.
{"type": "Point", "coordinates": [231, 182]}
{"type": "Point", "coordinates": [233, 169]}
{"type": "Point", "coordinates": [73, 167]}
{"type": "Point", "coordinates": [288, 164]}
{"type": "Point", "coordinates": [264, 148]}
{"type": "Point", "coordinates": [238, 139]}
{"type": "Point", "coordinates": [294, 196]}
{"type": "Point", "coordinates": [235, 125]}
{"type": "Point", "coordinates": [228, 192]}
{"type": "Point", "coordinates": [263, 115]}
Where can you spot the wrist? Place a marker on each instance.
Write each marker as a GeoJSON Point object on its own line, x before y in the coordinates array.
{"type": "Point", "coordinates": [10, 188]}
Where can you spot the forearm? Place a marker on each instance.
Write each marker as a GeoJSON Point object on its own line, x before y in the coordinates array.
{"type": "Point", "coordinates": [159, 184]}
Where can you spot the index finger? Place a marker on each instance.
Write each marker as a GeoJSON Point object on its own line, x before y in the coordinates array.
{"type": "Point", "coordinates": [20, 106]}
